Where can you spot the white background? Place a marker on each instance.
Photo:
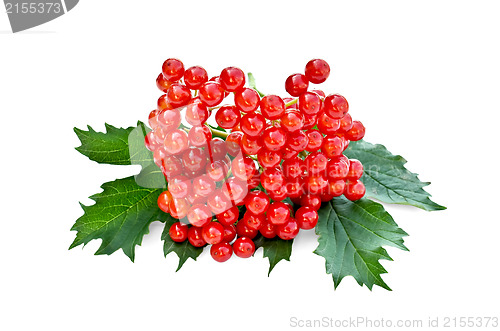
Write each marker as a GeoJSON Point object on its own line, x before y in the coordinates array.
{"type": "Point", "coordinates": [423, 77]}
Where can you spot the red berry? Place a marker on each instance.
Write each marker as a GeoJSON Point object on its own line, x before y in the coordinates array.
{"type": "Point", "coordinates": [217, 170]}
{"type": "Point", "coordinates": [297, 140]}
{"type": "Point", "coordinates": [217, 149]}
{"type": "Point", "coordinates": [289, 153]}
{"type": "Point", "coordinates": [243, 167]}
{"type": "Point", "coordinates": [251, 145]}
{"type": "Point", "coordinates": [150, 141]}
{"type": "Point", "coordinates": [267, 230]}
{"type": "Point", "coordinates": [195, 199]}
{"type": "Point", "coordinates": [196, 112]}
{"type": "Point", "coordinates": [293, 168]}
{"type": "Point", "coordinates": [327, 124]}
{"type": "Point", "coordinates": [272, 179]}
{"type": "Point", "coordinates": [310, 121]}
{"type": "Point", "coordinates": [221, 252]}
{"type": "Point", "coordinates": [294, 187]}
{"type": "Point", "coordinates": [235, 190]}
{"type": "Point", "coordinates": [292, 121]}
{"type": "Point", "coordinates": [278, 213]}
{"type": "Point", "coordinates": [179, 186]}
{"type": "Point", "coordinates": [274, 138]}
{"type": "Point", "coordinates": [316, 183]}
{"type": "Point", "coordinates": [335, 106]}
{"type": "Point", "coordinates": [173, 70]}
{"type": "Point", "coordinates": [227, 117]}
{"type": "Point", "coordinates": [338, 167]}
{"type": "Point", "coordinates": [178, 95]}
{"type": "Point", "coordinates": [169, 119]}
{"type": "Point", "coordinates": [199, 215]}
{"type": "Point", "coordinates": [178, 232]}
{"type": "Point", "coordinates": [229, 216]}
{"type": "Point", "coordinates": [345, 123]}
{"type": "Point", "coordinates": [178, 208]}
{"type": "Point", "coordinates": [218, 202]}
{"type": "Point", "coordinates": [162, 84]}
{"type": "Point", "coordinates": [164, 200]}
{"type": "Point", "coordinates": [164, 103]}
{"type": "Point", "coordinates": [171, 166]}
{"type": "Point", "coordinates": [194, 159]}
{"type": "Point", "coordinates": [232, 79]}
{"type": "Point", "coordinates": [335, 187]}
{"type": "Point", "coordinates": [252, 124]}
{"type": "Point", "coordinates": [289, 230]}
{"type": "Point", "coordinates": [315, 140]}
{"type": "Point", "coordinates": [176, 142]}
{"type": "Point", "coordinates": [244, 247]}
{"type": "Point", "coordinates": [247, 100]}
{"type": "Point", "coordinates": [195, 238]}
{"type": "Point", "coordinates": [244, 231]}
{"type": "Point", "coordinates": [296, 84]}
{"type": "Point", "coordinates": [357, 132]}
{"type": "Point", "coordinates": [311, 200]}
{"type": "Point", "coordinates": [203, 185]}
{"type": "Point", "coordinates": [319, 92]}
{"type": "Point", "coordinates": [212, 233]}
{"type": "Point", "coordinates": [229, 233]}
{"type": "Point", "coordinates": [253, 221]}
{"type": "Point", "coordinates": [199, 136]}
{"type": "Point", "coordinates": [309, 103]}
{"type": "Point", "coordinates": [194, 77]}
{"type": "Point", "coordinates": [355, 170]}
{"type": "Point", "coordinates": [316, 162]}
{"type": "Point", "coordinates": [268, 159]}
{"type": "Point", "coordinates": [211, 93]}
{"type": "Point", "coordinates": [332, 146]}
{"type": "Point", "coordinates": [354, 190]}
{"type": "Point", "coordinates": [257, 202]}
{"type": "Point", "coordinates": [153, 118]}
{"type": "Point", "coordinates": [306, 217]}
{"type": "Point", "coordinates": [233, 142]}
{"type": "Point", "coordinates": [317, 71]}
{"type": "Point", "coordinates": [278, 195]}
{"type": "Point", "coordinates": [272, 107]}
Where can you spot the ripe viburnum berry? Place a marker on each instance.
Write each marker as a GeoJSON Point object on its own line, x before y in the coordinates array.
{"type": "Point", "coordinates": [243, 247]}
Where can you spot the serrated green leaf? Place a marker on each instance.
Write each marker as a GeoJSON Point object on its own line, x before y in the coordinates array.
{"type": "Point", "coordinates": [120, 217]}
{"type": "Point", "coordinates": [351, 236]}
{"type": "Point", "coordinates": [386, 178]}
{"type": "Point", "coordinates": [151, 175]}
{"type": "Point", "coordinates": [183, 250]}
{"type": "Point", "coordinates": [275, 250]}
{"type": "Point", "coordinates": [110, 147]}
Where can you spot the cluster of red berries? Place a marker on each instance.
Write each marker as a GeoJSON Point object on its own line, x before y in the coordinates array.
{"type": "Point", "coordinates": [277, 148]}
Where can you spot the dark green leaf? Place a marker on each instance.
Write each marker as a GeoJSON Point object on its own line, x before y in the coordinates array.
{"type": "Point", "coordinates": [110, 147]}
{"type": "Point", "coordinates": [275, 250]}
{"type": "Point", "coordinates": [183, 250]}
{"type": "Point", "coordinates": [120, 217]}
{"type": "Point", "coordinates": [351, 236]}
{"type": "Point", "coordinates": [386, 178]}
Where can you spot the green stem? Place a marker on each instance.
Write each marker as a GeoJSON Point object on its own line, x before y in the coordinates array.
{"type": "Point", "coordinates": [291, 103]}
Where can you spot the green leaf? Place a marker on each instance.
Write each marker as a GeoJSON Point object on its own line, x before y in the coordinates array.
{"type": "Point", "coordinates": [351, 236]}
{"type": "Point", "coordinates": [251, 83]}
{"type": "Point", "coordinates": [183, 250]}
{"type": "Point", "coordinates": [386, 178]}
{"type": "Point", "coordinates": [120, 217]}
{"type": "Point", "coordinates": [275, 250]}
{"type": "Point", "coordinates": [110, 147]}
{"type": "Point", "coordinates": [151, 175]}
